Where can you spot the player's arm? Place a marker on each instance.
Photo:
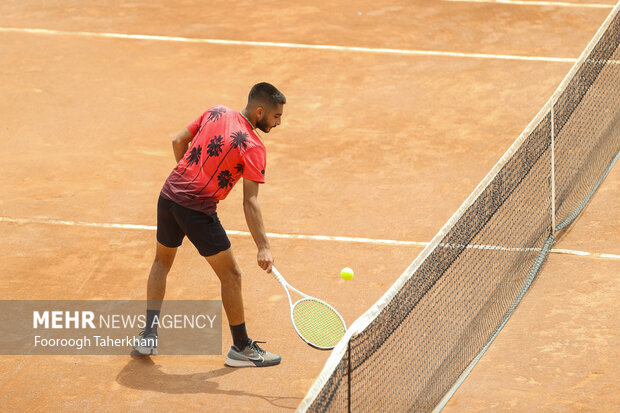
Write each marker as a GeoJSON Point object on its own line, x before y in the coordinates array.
{"type": "Point", "coordinates": [254, 219]}
{"type": "Point", "coordinates": [180, 143]}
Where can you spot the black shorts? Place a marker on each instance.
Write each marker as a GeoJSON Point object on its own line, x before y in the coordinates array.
{"type": "Point", "coordinates": [174, 222]}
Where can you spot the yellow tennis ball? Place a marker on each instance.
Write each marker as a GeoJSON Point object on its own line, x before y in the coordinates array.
{"type": "Point", "coordinates": [346, 273]}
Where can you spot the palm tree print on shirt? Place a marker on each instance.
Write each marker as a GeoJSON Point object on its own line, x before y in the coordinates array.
{"type": "Point", "coordinates": [214, 148]}
{"type": "Point", "coordinates": [216, 113]}
{"type": "Point", "coordinates": [239, 139]}
{"type": "Point", "coordinates": [202, 125]}
{"type": "Point", "coordinates": [193, 157]}
{"type": "Point", "coordinates": [224, 180]}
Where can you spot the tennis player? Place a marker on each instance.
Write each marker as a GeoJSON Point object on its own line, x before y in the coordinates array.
{"type": "Point", "coordinates": [213, 153]}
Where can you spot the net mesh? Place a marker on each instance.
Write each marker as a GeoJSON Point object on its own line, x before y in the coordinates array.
{"type": "Point", "coordinates": [410, 350]}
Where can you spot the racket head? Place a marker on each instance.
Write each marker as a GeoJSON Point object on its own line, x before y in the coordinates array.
{"type": "Point", "coordinates": [317, 323]}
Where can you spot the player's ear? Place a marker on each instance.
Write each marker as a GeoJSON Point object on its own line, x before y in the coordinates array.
{"type": "Point", "coordinates": [260, 112]}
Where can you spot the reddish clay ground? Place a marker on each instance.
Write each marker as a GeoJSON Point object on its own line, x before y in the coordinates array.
{"type": "Point", "coordinates": [372, 145]}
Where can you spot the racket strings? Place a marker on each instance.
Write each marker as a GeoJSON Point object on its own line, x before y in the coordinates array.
{"type": "Point", "coordinates": [318, 323]}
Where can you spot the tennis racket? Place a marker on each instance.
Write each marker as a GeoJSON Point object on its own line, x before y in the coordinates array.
{"type": "Point", "coordinates": [315, 321]}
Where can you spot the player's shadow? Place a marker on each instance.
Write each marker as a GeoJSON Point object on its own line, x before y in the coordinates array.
{"type": "Point", "coordinates": [141, 373]}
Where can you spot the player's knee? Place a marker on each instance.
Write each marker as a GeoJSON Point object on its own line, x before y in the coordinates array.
{"type": "Point", "coordinates": [232, 277]}
{"type": "Point", "coordinates": [164, 255]}
{"type": "Point", "coordinates": [235, 275]}
{"type": "Point", "coordinates": [163, 260]}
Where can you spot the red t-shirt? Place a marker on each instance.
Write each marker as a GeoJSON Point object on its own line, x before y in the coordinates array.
{"type": "Point", "coordinates": [224, 149]}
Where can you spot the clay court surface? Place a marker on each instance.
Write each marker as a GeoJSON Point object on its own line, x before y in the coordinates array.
{"type": "Point", "coordinates": [374, 145]}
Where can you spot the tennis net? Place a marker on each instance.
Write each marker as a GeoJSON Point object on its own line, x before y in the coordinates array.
{"type": "Point", "coordinates": [413, 348]}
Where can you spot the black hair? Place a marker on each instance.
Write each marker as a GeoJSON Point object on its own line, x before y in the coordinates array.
{"type": "Point", "coordinates": [266, 93]}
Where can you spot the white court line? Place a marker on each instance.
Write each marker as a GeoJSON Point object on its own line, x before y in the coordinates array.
{"type": "Point", "coordinates": [291, 45]}
{"type": "Point", "coordinates": [539, 3]}
{"type": "Point", "coordinates": [305, 237]}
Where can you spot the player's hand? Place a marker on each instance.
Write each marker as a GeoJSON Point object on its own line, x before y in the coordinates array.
{"type": "Point", "coordinates": [265, 259]}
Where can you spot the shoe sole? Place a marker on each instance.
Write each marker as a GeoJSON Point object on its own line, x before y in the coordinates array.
{"type": "Point", "coordinates": [146, 351]}
{"type": "Point", "coordinates": [248, 363]}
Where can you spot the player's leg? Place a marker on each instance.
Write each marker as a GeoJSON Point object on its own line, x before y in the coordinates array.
{"type": "Point", "coordinates": [169, 238]}
{"type": "Point", "coordinates": [227, 270]}
{"type": "Point", "coordinates": [170, 235]}
{"type": "Point", "coordinates": [156, 286]}
{"type": "Point", "coordinates": [244, 352]}
{"type": "Point", "coordinates": [146, 342]}
{"type": "Point", "coordinates": [210, 239]}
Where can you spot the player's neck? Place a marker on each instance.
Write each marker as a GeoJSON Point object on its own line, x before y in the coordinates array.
{"type": "Point", "coordinates": [247, 117]}
{"type": "Point", "coordinates": [244, 113]}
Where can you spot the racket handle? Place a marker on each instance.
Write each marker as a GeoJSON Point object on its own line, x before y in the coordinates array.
{"type": "Point", "coordinates": [276, 274]}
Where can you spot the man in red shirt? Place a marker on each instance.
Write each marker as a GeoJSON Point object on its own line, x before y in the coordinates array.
{"type": "Point", "coordinates": [213, 153]}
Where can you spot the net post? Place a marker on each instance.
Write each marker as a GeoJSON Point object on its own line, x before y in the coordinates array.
{"type": "Point", "coordinates": [552, 172]}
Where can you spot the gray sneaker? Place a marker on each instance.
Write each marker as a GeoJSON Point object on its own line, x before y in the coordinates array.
{"type": "Point", "coordinates": [251, 356]}
{"type": "Point", "coordinates": [146, 344]}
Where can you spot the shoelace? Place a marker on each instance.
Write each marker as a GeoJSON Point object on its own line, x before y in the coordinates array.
{"type": "Point", "coordinates": [255, 346]}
